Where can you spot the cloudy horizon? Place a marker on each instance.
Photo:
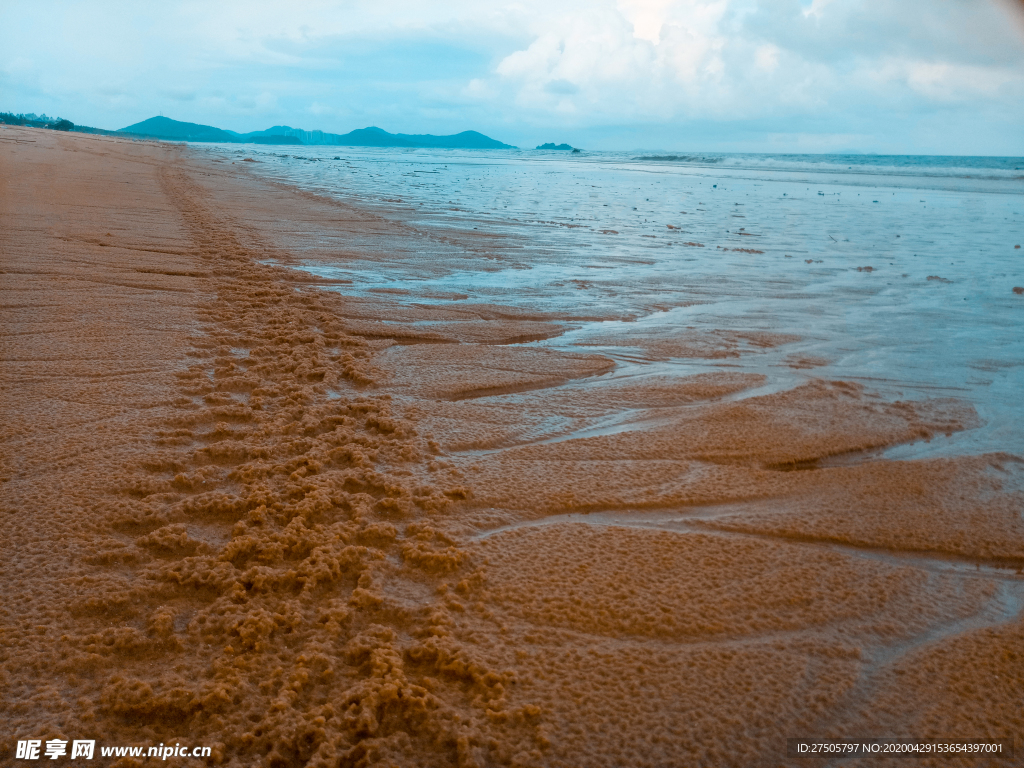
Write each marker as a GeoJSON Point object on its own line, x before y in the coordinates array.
{"type": "Point", "coordinates": [939, 77]}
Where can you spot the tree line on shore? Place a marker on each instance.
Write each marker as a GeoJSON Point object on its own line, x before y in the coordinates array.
{"type": "Point", "coordinates": [37, 121]}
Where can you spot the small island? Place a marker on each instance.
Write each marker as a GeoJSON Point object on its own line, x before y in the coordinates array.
{"type": "Point", "coordinates": [549, 145]}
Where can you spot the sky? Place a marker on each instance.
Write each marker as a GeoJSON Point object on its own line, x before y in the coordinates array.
{"type": "Point", "coordinates": [899, 77]}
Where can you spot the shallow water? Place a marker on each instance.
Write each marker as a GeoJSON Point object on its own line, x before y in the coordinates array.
{"type": "Point", "coordinates": [652, 242]}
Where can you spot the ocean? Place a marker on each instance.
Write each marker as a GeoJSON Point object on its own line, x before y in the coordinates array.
{"type": "Point", "coordinates": [897, 273]}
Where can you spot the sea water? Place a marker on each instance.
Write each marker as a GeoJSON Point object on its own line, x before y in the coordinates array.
{"type": "Point", "coordinates": [895, 272]}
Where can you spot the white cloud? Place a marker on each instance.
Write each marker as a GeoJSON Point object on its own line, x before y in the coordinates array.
{"type": "Point", "coordinates": [817, 8]}
{"type": "Point", "coordinates": [947, 82]}
{"type": "Point", "coordinates": [681, 59]}
{"type": "Point", "coordinates": [767, 57]}
{"type": "Point", "coordinates": [838, 68]}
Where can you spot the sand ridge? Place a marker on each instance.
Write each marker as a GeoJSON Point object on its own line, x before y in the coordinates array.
{"type": "Point", "coordinates": [234, 588]}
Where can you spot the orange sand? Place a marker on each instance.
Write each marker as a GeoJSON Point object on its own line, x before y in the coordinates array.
{"type": "Point", "coordinates": [306, 529]}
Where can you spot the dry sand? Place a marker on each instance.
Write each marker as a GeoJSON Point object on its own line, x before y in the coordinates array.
{"type": "Point", "coordinates": [244, 511]}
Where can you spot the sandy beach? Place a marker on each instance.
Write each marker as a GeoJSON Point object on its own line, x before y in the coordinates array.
{"type": "Point", "coordinates": [245, 510]}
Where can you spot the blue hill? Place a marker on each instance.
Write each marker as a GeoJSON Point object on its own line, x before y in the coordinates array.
{"type": "Point", "coordinates": [165, 128]}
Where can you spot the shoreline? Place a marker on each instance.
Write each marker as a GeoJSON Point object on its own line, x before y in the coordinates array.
{"type": "Point", "coordinates": [245, 512]}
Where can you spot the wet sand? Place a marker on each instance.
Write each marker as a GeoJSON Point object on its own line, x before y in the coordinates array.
{"type": "Point", "coordinates": [245, 510]}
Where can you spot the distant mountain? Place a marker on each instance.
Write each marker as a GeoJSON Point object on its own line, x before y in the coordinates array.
{"type": "Point", "coordinates": [378, 137]}
{"type": "Point", "coordinates": [363, 137]}
{"type": "Point", "coordinates": [165, 128]}
{"type": "Point", "coordinates": [464, 140]}
{"type": "Point", "coordinates": [549, 145]}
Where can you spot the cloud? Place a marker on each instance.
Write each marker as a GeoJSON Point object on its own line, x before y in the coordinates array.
{"type": "Point", "coordinates": [662, 60]}
{"type": "Point", "coordinates": [607, 72]}
{"type": "Point", "coordinates": [561, 87]}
